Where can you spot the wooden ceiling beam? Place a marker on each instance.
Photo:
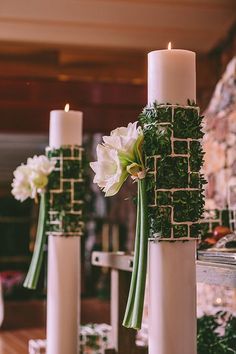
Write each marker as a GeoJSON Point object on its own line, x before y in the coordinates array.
{"type": "Point", "coordinates": [112, 24]}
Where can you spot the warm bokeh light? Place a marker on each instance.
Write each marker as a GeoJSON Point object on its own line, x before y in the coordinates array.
{"type": "Point", "coordinates": [169, 46]}
{"type": "Point", "coordinates": [67, 107]}
{"type": "Point", "coordinates": [218, 301]}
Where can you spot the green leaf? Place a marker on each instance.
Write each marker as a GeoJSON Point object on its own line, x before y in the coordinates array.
{"type": "Point", "coordinates": [31, 280]}
{"type": "Point", "coordinates": [134, 308]}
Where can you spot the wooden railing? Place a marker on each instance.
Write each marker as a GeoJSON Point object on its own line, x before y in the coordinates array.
{"type": "Point", "coordinates": [121, 265]}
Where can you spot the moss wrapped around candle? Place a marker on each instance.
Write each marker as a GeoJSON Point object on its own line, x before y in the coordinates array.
{"type": "Point", "coordinates": [65, 196]}
{"type": "Point", "coordinates": [174, 156]}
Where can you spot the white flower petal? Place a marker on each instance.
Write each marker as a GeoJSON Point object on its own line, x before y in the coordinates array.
{"type": "Point", "coordinates": [108, 170]}
{"type": "Point", "coordinates": [21, 186]}
{"type": "Point", "coordinates": [41, 164]}
{"type": "Point", "coordinates": [110, 173]}
{"type": "Point", "coordinates": [32, 178]}
{"type": "Point", "coordinates": [123, 139]}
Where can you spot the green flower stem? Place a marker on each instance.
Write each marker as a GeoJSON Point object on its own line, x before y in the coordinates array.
{"type": "Point", "coordinates": [142, 264]}
{"type": "Point", "coordinates": [127, 322]}
{"type": "Point", "coordinates": [31, 280]}
{"type": "Point", "coordinates": [134, 308]}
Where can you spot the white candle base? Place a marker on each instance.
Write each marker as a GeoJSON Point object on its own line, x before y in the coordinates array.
{"type": "Point", "coordinates": [63, 295]}
{"type": "Point", "coordinates": [172, 298]}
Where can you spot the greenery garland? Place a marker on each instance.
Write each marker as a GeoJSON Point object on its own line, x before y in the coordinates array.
{"type": "Point", "coordinates": [65, 192]}
{"type": "Point", "coordinates": [174, 157]}
{"type": "Point", "coordinates": [208, 338]}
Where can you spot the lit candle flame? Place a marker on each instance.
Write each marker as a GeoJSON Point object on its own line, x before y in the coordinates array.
{"type": "Point", "coordinates": [169, 46]}
{"type": "Point", "coordinates": [67, 107]}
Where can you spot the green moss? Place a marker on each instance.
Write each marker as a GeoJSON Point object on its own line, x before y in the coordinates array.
{"type": "Point", "coordinates": [187, 124]}
{"type": "Point", "coordinates": [196, 156]}
{"type": "Point", "coordinates": [225, 218]}
{"type": "Point", "coordinates": [173, 171]}
{"type": "Point", "coordinates": [150, 161]}
{"type": "Point", "coordinates": [77, 206]}
{"type": "Point", "coordinates": [163, 198]}
{"type": "Point", "coordinates": [66, 152]}
{"type": "Point", "coordinates": [71, 169]}
{"type": "Point", "coordinates": [53, 153]}
{"type": "Point", "coordinates": [66, 185]}
{"type": "Point", "coordinates": [66, 203]}
{"type": "Point", "coordinates": [71, 222]}
{"type": "Point", "coordinates": [77, 151]}
{"type": "Point", "coordinates": [155, 114]}
{"type": "Point", "coordinates": [160, 221]}
{"type": "Point", "coordinates": [195, 180]}
{"type": "Point", "coordinates": [205, 229]}
{"type": "Point", "coordinates": [157, 140]}
{"type": "Point", "coordinates": [180, 231]}
{"type": "Point", "coordinates": [195, 230]}
{"type": "Point", "coordinates": [150, 188]}
{"type": "Point", "coordinates": [54, 180]}
{"type": "Point", "coordinates": [181, 147]}
{"type": "Point", "coordinates": [79, 191]}
{"type": "Point", "coordinates": [186, 205]}
{"type": "Point", "coordinates": [61, 201]}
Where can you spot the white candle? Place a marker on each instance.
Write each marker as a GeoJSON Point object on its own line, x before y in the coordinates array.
{"type": "Point", "coordinates": [171, 76]}
{"type": "Point", "coordinates": [63, 295]}
{"type": "Point", "coordinates": [65, 128]}
{"type": "Point", "coordinates": [64, 260]}
{"type": "Point", "coordinates": [172, 269]}
{"type": "Point", "coordinates": [172, 298]}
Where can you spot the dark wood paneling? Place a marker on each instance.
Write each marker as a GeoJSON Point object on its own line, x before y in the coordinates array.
{"type": "Point", "coordinates": [25, 105]}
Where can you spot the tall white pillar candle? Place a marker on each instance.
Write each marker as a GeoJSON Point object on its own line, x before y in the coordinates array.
{"type": "Point", "coordinates": [65, 128]}
{"type": "Point", "coordinates": [171, 76]}
{"type": "Point", "coordinates": [64, 260]}
{"type": "Point", "coordinates": [172, 269]}
{"type": "Point", "coordinates": [172, 298]}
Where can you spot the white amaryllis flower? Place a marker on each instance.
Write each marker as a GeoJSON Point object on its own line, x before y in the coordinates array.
{"type": "Point", "coordinates": [32, 178]}
{"type": "Point", "coordinates": [123, 139]}
{"type": "Point", "coordinates": [40, 167]}
{"type": "Point", "coordinates": [21, 188]}
{"type": "Point", "coordinates": [118, 157]}
{"type": "Point", "coordinates": [109, 173]}
{"type": "Point", "coordinates": [41, 164]}
{"type": "Point", "coordinates": [38, 182]}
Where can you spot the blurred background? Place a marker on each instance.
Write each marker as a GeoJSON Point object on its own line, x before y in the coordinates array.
{"type": "Point", "coordinates": [93, 55]}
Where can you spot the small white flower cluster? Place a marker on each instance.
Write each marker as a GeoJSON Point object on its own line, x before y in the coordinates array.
{"type": "Point", "coordinates": [31, 179]}
{"type": "Point", "coordinates": [117, 156]}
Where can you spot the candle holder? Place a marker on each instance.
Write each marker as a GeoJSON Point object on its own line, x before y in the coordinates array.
{"type": "Point", "coordinates": [174, 157]}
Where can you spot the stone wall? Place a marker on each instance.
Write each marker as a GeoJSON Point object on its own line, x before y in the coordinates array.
{"type": "Point", "coordinates": [220, 139]}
